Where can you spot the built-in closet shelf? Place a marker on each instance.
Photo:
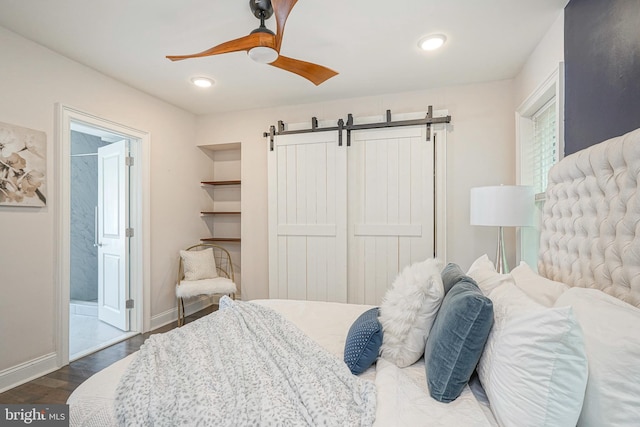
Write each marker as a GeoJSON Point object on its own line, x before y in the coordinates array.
{"type": "Point", "coordinates": [219, 213]}
{"type": "Point", "coordinates": [221, 239]}
{"type": "Point", "coordinates": [220, 147]}
{"type": "Point", "coordinates": [214, 183]}
{"type": "Point", "coordinates": [222, 190]}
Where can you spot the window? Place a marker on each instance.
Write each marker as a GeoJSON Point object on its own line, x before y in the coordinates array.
{"type": "Point", "coordinates": [544, 150]}
{"type": "Point", "coordinates": [539, 128]}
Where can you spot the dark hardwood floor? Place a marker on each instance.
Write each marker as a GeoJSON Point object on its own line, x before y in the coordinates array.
{"type": "Point", "coordinates": [58, 385]}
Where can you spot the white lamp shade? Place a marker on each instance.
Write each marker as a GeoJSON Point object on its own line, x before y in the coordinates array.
{"type": "Point", "coordinates": [502, 206]}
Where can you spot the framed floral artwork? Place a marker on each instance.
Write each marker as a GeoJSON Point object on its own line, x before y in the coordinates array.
{"type": "Point", "coordinates": [23, 166]}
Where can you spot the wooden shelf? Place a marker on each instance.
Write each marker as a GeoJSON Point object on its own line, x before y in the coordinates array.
{"type": "Point", "coordinates": [220, 213]}
{"type": "Point", "coordinates": [221, 239]}
{"type": "Point", "coordinates": [235, 182]}
{"type": "Point", "coordinates": [220, 147]}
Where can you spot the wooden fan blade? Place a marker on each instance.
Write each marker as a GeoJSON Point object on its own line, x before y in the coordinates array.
{"type": "Point", "coordinates": [281, 8]}
{"type": "Point", "coordinates": [316, 74]}
{"type": "Point", "coordinates": [237, 45]}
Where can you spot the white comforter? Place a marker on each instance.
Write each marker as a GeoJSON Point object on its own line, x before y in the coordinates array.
{"type": "Point", "coordinates": [402, 395]}
{"type": "Point", "coordinates": [193, 376]}
{"type": "Point", "coordinates": [404, 400]}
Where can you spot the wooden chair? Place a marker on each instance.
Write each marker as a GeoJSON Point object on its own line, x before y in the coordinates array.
{"type": "Point", "coordinates": [223, 284]}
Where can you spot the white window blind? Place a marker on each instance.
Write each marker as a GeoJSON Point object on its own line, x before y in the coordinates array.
{"type": "Point", "coordinates": [544, 147]}
{"type": "Point", "coordinates": [541, 156]}
{"type": "Point", "coordinates": [539, 126]}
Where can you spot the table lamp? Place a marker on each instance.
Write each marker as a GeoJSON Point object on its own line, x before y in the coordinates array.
{"type": "Point", "coordinates": [502, 206]}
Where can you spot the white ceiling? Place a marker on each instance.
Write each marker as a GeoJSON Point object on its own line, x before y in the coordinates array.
{"type": "Point", "coordinates": [372, 44]}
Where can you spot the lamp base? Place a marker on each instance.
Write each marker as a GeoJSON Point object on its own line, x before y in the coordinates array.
{"type": "Point", "coordinates": [501, 255]}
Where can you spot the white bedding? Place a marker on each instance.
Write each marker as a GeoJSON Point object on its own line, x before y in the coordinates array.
{"type": "Point", "coordinates": [245, 365]}
{"type": "Point", "coordinates": [403, 400]}
{"type": "Point", "coordinates": [403, 397]}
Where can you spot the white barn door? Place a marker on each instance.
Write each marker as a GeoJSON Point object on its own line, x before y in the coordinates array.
{"type": "Point", "coordinates": [308, 218]}
{"type": "Point", "coordinates": [344, 221]}
{"type": "Point", "coordinates": [391, 207]}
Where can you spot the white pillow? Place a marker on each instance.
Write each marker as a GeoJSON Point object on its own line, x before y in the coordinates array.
{"type": "Point", "coordinates": [612, 341]}
{"type": "Point", "coordinates": [199, 265]}
{"type": "Point", "coordinates": [408, 311]}
{"type": "Point", "coordinates": [540, 289]}
{"type": "Point", "coordinates": [484, 273]}
{"type": "Point", "coordinates": [534, 365]}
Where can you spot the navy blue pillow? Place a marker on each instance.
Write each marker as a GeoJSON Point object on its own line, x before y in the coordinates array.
{"type": "Point", "coordinates": [363, 342]}
{"type": "Point", "coordinates": [456, 340]}
{"type": "Point", "coordinates": [451, 275]}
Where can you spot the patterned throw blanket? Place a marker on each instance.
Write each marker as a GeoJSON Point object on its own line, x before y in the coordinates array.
{"type": "Point", "coordinates": [244, 365]}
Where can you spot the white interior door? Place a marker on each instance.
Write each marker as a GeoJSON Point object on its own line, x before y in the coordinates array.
{"type": "Point", "coordinates": [113, 200]}
{"type": "Point", "coordinates": [391, 207]}
{"type": "Point", "coordinates": [307, 218]}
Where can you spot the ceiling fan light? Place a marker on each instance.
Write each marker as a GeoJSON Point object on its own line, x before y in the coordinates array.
{"type": "Point", "coordinates": [263, 54]}
{"type": "Point", "coordinates": [202, 81]}
{"type": "Point", "coordinates": [432, 42]}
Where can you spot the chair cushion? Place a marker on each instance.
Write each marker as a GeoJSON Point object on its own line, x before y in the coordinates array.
{"type": "Point", "coordinates": [363, 342]}
{"type": "Point", "coordinates": [457, 339]}
{"type": "Point", "coordinates": [192, 288]}
{"type": "Point", "coordinates": [199, 265]}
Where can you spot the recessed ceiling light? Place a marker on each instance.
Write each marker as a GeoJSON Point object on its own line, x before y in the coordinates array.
{"type": "Point", "coordinates": [202, 81]}
{"type": "Point", "coordinates": [432, 42]}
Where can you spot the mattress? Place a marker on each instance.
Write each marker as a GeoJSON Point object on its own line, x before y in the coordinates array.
{"type": "Point", "coordinates": [402, 394]}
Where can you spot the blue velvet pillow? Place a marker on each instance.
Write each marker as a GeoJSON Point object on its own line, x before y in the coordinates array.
{"type": "Point", "coordinates": [363, 342]}
{"type": "Point", "coordinates": [453, 274]}
{"type": "Point", "coordinates": [457, 339]}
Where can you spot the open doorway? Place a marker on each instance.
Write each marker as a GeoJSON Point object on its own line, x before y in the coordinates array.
{"type": "Point", "coordinates": [98, 260]}
{"type": "Point", "coordinates": [103, 233]}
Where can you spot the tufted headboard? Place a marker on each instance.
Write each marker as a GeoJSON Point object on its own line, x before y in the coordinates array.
{"type": "Point", "coordinates": [590, 233]}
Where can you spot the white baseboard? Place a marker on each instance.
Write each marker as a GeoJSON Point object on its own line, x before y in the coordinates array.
{"type": "Point", "coordinates": [171, 315]}
{"type": "Point", "coordinates": [43, 365]}
{"type": "Point", "coordinates": [27, 371]}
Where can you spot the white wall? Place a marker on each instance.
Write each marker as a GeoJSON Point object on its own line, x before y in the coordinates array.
{"type": "Point", "coordinates": [542, 62]}
{"type": "Point", "coordinates": [32, 80]}
{"type": "Point", "coordinates": [480, 152]}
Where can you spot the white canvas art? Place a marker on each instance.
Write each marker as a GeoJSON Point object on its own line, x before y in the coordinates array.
{"type": "Point", "coordinates": [23, 166]}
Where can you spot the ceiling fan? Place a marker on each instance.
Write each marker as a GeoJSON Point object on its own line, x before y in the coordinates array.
{"type": "Point", "coordinates": [263, 45]}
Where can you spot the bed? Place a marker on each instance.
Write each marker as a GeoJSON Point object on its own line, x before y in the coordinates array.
{"type": "Point", "coordinates": [91, 404]}
{"type": "Point", "coordinates": [587, 293]}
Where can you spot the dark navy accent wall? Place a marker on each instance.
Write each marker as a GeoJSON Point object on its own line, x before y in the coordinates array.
{"type": "Point", "coordinates": [602, 70]}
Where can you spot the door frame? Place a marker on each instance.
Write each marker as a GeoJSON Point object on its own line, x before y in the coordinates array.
{"type": "Point", "coordinates": [140, 259]}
